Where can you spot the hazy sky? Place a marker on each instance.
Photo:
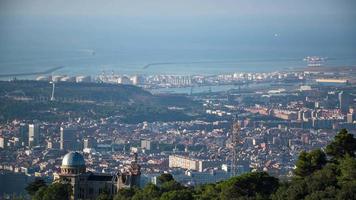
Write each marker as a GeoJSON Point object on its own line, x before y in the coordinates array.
{"type": "Point", "coordinates": [177, 7]}
{"type": "Point", "coordinates": [185, 24]}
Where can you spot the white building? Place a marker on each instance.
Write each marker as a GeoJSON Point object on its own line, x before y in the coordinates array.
{"type": "Point", "coordinates": [177, 161]}
{"type": "Point", "coordinates": [33, 135]}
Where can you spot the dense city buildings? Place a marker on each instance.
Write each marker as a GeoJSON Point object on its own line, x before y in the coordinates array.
{"type": "Point", "coordinates": [280, 115]}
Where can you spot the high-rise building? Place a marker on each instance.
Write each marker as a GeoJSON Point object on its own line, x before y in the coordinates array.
{"type": "Point", "coordinates": [148, 145]}
{"type": "Point", "coordinates": [89, 143]}
{"type": "Point", "coordinates": [3, 142]}
{"type": "Point", "coordinates": [68, 138]}
{"type": "Point", "coordinates": [349, 118]}
{"type": "Point", "coordinates": [23, 130]}
{"type": "Point", "coordinates": [345, 101]}
{"type": "Point", "coordinates": [33, 135]}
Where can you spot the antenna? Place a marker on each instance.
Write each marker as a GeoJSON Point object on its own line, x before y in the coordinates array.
{"type": "Point", "coordinates": [235, 139]}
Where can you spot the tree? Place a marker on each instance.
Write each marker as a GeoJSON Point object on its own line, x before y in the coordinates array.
{"type": "Point", "coordinates": [125, 194]}
{"type": "Point", "coordinates": [322, 179]}
{"type": "Point", "coordinates": [303, 165]}
{"type": "Point", "coordinates": [317, 159]}
{"type": "Point", "coordinates": [54, 191]}
{"type": "Point", "coordinates": [177, 195]}
{"type": "Point", "coordinates": [39, 195]}
{"type": "Point", "coordinates": [165, 178]}
{"type": "Point", "coordinates": [104, 196]}
{"type": "Point", "coordinates": [347, 169]}
{"type": "Point", "coordinates": [347, 192]}
{"type": "Point", "coordinates": [171, 186]}
{"type": "Point", "coordinates": [344, 143]}
{"type": "Point", "coordinates": [255, 184]}
{"type": "Point", "coordinates": [327, 193]}
{"type": "Point", "coordinates": [34, 186]}
{"type": "Point", "coordinates": [295, 190]}
{"type": "Point", "coordinates": [207, 192]}
{"type": "Point", "coordinates": [319, 179]}
{"type": "Point", "coordinates": [307, 163]}
{"type": "Point", "coordinates": [151, 191]}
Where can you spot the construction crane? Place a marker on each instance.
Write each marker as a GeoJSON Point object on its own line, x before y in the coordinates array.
{"type": "Point", "coordinates": [235, 140]}
{"type": "Point", "coordinates": [53, 87]}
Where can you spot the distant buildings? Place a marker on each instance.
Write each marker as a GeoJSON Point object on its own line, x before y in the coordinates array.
{"type": "Point", "coordinates": [324, 81]}
{"type": "Point", "coordinates": [124, 80]}
{"type": "Point", "coordinates": [64, 78]}
{"type": "Point", "coordinates": [80, 79]}
{"type": "Point", "coordinates": [192, 178]}
{"type": "Point", "coordinates": [137, 80]}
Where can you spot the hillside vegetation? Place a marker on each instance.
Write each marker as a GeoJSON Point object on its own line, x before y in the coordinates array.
{"type": "Point", "coordinates": [31, 100]}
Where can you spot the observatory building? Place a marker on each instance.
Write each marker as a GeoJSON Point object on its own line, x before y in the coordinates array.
{"type": "Point", "coordinates": [89, 185]}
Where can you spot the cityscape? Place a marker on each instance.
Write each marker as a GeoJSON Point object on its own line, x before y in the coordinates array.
{"type": "Point", "coordinates": [286, 133]}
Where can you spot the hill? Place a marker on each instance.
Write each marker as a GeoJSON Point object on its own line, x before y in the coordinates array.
{"type": "Point", "coordinates": [31, 99]}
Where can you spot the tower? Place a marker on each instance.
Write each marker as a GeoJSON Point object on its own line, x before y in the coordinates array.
{"type": "Point", "coordinates": [33, 135]}
{"type": "Point", "coordinates": [235, 140]}
{"type": "Point", "coordinates": [68, 138]}
{"type": "Point", "coordinates": [345, 101]}
{"type": "Point", "coordinates": [53, 87]}
{"type": "Point", "coordinates": [23, 130]}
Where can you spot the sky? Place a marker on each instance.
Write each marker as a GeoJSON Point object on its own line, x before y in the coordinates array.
{"type": "Point", "coordinates": [170, 8]}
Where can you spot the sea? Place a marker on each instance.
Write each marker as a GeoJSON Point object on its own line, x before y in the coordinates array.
{"type": "Point", "coordinates": [92, 46]}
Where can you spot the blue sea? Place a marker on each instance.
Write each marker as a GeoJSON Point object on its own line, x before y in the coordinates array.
{"type": "Point", "coordinates": [90, 46]}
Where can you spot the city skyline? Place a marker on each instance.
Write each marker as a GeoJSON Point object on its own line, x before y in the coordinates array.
{"type": "Point", "coordinates": [177, 100]}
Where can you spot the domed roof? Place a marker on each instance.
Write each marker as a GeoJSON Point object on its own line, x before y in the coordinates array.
{"type": "Point", "coordinates": [73, 159]}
